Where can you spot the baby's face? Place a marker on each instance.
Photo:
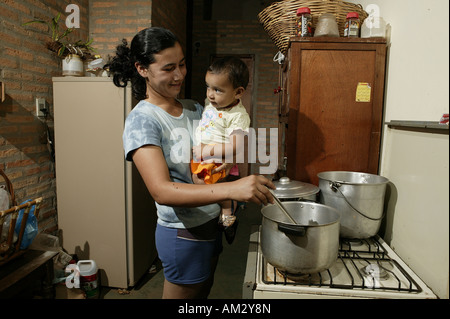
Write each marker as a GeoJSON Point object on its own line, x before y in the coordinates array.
{"type": "Point", "coordinates": [220, 91]}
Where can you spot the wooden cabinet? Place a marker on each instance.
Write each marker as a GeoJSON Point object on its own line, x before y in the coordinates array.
{"type": "Point", "coordinates": [333, 101]}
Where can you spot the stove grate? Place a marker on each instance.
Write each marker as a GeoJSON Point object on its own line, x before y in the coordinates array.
{"type": "Point", "coordinates": [353, 256]}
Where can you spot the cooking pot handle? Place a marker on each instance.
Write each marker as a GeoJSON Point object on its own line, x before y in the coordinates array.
{"type": "Point", "coordinates": [292, 229]}
{"type": "Point", "coordinates": [335, 187]}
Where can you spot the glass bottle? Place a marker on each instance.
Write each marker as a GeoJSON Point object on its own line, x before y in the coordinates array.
{"type": "Point", "coordinates": [327, 26]}
{"type": "Point", "coordinates": [304, 22]}
{"type": "Point", "coordinates": [352, 25]}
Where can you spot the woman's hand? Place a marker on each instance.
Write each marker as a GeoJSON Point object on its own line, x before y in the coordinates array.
{"type": "Point", "coordinates": [252, 188]}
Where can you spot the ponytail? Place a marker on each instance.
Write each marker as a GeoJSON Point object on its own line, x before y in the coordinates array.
{"type": "Point", "coordinates": [123, 70]}
{"type": "Point", "coordinates": [142, 49]}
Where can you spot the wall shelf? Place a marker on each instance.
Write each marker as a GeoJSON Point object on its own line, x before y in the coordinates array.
{"type": "Point", "coordinates": [419, 126]}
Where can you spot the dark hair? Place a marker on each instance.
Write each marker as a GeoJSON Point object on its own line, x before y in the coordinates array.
{"type": "Point", "coordinates": [236, 69]}
{"type": "Point", "coordinates": [142, 49]}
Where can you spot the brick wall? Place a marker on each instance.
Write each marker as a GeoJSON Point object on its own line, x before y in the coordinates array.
{"type": "Point", "coordinates": [171, 15]}
{"type": "Point", "coordinates": [26, 69]}
{"type": "Point", "coordinates": [111, 21]}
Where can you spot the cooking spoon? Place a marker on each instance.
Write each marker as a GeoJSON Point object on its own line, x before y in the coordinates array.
{"type": "Point", "coordinates": [283, 209]}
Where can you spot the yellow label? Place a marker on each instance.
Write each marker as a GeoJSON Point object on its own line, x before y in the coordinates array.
{"type": "Point", "coordinates": [363, 92]}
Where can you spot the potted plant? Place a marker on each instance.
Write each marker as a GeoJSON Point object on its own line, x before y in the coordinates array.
{"type": "Point", "coordinates": [72, 53]}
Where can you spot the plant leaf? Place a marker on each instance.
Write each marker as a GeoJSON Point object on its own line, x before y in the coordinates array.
{"type": "Point", "coordinates": [65, 33]}
{"type": "Point", "coordinates": [33, 21]}
{"type": "Point", "coordinates": [61, 49]}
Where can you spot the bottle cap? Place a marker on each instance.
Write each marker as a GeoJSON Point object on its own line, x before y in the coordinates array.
{"type": "Point", "coordinates": [352, 15]}
{"type": "Point", "coordinates": [303, 10]}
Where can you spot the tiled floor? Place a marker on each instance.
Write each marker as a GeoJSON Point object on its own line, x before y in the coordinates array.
{"type": "Point", "coordinates": [230, 271]}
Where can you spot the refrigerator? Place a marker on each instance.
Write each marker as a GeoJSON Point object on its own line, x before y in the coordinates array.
{"type": "Point", "coordinates": [105, 212]}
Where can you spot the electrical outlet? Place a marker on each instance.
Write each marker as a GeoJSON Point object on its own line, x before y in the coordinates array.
{"type": "Point", "coordinates": [40, 105]}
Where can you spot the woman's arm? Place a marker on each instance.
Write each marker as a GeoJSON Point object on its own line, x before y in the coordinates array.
{"type": "Point", "coordinates": [152, 166]}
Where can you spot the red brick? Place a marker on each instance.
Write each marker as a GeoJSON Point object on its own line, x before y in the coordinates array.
{"type": "Point", "coordinates": [104, 4]}
{"type": "Point", "coordinates": [20, 163]}
{"type": "Point", "coordinates": [8, 62]}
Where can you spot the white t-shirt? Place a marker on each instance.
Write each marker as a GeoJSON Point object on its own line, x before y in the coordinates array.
{"type": "Point", "coordinates": [216, 126]}
{"type": "Point", "coordinates": [148, 124]}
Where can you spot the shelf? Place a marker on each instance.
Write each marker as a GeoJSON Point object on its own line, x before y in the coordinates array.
{"type": "Point", "coordinates": [338, 40]}
{"type": "Point", "coordinates": [419, 126]}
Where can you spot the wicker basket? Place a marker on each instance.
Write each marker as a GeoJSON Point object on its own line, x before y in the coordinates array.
{"type": "Point", "coordinates": [10, 248]}
{"type": "Point", "coordinates": [278, 19]}
{"type": "Point", "coordinates": [9, 188]}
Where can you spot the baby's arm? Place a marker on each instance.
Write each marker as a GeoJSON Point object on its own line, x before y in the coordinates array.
{"type": "Point", "coordinates": [222, 152]}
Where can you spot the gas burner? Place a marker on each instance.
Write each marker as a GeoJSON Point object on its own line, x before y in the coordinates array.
{"type": "Point", "coordinates": [293, 277]}
{"type": "Point", "coordinates": [375, 271]}
{"type": "Point", "coordinates": [356, 242]}
{"type": "Point", "coordinates": [366, 268]}
{"type": "Point", "coordinates": [353, 240]}
{"type": "Point", "coordinates": [356, 247]}
{"type": "Point", "coordinates": [352, 244]}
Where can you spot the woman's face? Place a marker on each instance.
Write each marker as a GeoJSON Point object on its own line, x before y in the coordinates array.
{"type": "Point", "coordinates": [166, 75]}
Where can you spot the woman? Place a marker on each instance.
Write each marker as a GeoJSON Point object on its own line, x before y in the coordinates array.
{"type": "Point", "coordinates": [158, 139]}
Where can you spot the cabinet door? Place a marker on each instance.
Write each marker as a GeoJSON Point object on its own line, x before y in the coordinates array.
{"type": "Point", "coordinates": [335, 108]}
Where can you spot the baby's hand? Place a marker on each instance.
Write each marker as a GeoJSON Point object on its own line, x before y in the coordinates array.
{"type": "Point", "coordinates": [197, 153]}
{"type": "Point", "coordinates": [226, 166]}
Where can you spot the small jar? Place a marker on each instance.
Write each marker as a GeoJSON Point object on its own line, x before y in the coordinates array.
{"type": "Point", "coordinates": [327, 26]}
{"type": "Point", "coordinates": [304, 22]}
{"type": "Point", "coordinates": [352, 25]}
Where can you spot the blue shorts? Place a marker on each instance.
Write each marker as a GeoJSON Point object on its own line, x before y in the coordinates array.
{"type": "Point", "coordinates": [186, 254]}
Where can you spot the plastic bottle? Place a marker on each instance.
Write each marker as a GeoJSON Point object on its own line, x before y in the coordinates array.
{"type": "Point", "coordinates": [352, 25]}
{"type": "Point", "coordinates": [89, 278]}
{"type": "Point", "coordinates": [304, 22]}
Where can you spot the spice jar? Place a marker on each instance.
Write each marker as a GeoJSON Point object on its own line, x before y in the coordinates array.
{"type": "Point", "coordinates": [352, 25]}
{"type": "Point", "coordinates": [304, 22]}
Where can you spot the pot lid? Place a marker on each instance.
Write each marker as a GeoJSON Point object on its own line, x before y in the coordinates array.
{"type": "Point", "coordinates": [287, 188]}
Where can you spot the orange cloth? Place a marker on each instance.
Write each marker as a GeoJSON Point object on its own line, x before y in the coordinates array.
{"type": "Point", "coordinates": [204, 172]}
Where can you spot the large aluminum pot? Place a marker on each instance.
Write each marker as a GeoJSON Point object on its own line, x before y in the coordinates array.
{"type": "Point", "coordinates": [290, 190]}
{"type": "Point", "coordinates": [307, 248]}
{"type": "Point", "coordinates": [358, 197]}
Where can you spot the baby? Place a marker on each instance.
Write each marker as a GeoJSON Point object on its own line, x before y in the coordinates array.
{"type": "Point", "coordinates": [217, 136]}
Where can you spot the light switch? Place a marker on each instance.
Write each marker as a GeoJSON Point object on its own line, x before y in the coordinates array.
{"type": "Point", "coordinates": [40, 106]}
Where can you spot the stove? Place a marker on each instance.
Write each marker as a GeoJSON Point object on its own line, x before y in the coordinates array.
{"type": "Point", "coordinates": [366, 268]}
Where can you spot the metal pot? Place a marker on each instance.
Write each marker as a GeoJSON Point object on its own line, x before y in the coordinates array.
{"type": "Point", "coordinates": [307, 248]}
{"type": "Point", "coordinates": [358, 197]}
{"type": "Point", "coordinates": [289, 190]}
